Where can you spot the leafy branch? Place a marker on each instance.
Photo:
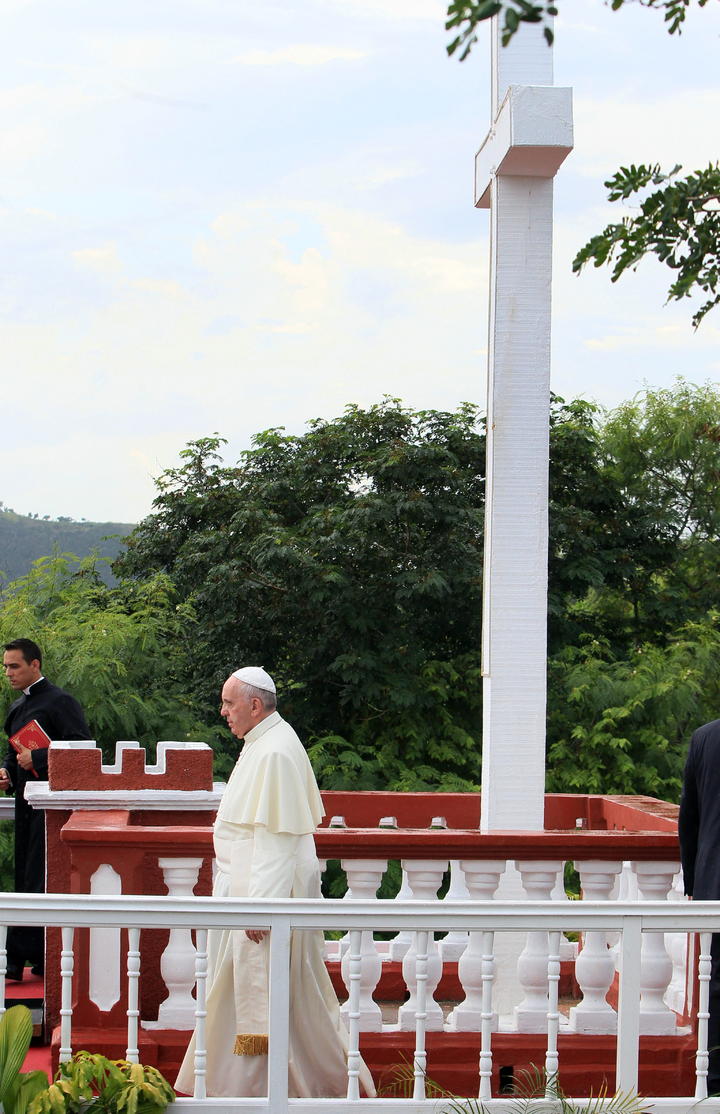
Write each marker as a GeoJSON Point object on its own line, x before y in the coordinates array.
{"type": "Point", "coordinates": [679, 223]}
{"type": "Point", "coordinates": [465, 15]}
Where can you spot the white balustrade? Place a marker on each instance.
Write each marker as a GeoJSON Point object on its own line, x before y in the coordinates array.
{"type": "Point", "coordinates": [655, 880]}
{"type": "Point", "coordinates": [552, 1061]}
{"type": "Point", "coordinates": [67, 966]}
{"type": "Point", "coordinates": [476, 967]}
{"type": "Point", "coordinates": [455, 943]}
{"type": "Point", "coordinates": [539, 879]}
{"type": "Point", "coordinates": [703, 1015]}
{"type": "Point", "coordinates": [676, 944]}
{"type": "Point", "coordinates": [201, 965]}
{"type": "Point", "coordinates": [132, 1052]}
{"type": "Point", "coordinates": [595, 964]}
{"type": "Point", "coordinates": [635, 919]}
{"type": "Point", "coordinates": [353, 1014]}
{"type": "Point", "coordinates": [3, 966]}
{"type": "Point", "coordinates": [364, 877]}
{"type": "Point", "coordinates": [401, 944]}
{"type": "Point", "coordinates": [421, 948]}
{"type": "Point", "coordinates": [177, 964]}
{"type": "Point", "coordinates": [424, 879]}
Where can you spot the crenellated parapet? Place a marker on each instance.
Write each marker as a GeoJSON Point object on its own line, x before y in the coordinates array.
{"type": "Point", "coordinates": [78, 766]}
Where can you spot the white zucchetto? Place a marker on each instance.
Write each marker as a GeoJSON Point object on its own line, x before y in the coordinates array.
{"type": "Point", "coordinates": [256, 676]}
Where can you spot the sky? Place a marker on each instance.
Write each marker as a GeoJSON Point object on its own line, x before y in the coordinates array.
{"type": "Point", "coordinates": [219, 216]}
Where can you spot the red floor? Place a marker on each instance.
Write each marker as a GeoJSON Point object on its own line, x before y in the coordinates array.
{"type": "Point", "coordinates": [30, 992]}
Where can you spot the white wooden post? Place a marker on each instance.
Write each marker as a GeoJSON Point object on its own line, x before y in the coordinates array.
{"type": "Point", "coordinates": [595, 964]}
{"type": "Point", "coordinates": [364, 877]}
{"type": "Point", "coordinates": [539, 880]}
{"type": "Point", "coordinates": [476, 967]}
{"type": "Point", "coordinates": [530, 135]}
{"type": "Point", "coordinates": [177, 964]}
{"type": "Point", "coordinates": [654, 882]}
{"type": "Point", "coordinates": [424, 878]}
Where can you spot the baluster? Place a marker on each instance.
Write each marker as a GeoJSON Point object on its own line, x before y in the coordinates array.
{"type": "Point", "coordinates": [703, 1014]}
{"type": "Point", "coordinates": [331, 948]}
{"type": "Point", "coordinates": [539, 879]}
{"type": "Point", "coordinates": [353, 1014]}
{"type": "Point", "coordinates": [421, 948]}
{"type": "Point", "coordinates": [177, 963]}
{"type": "Point", "coordinates": [132, 1054]}
{"type": "Point", "coordinates": [654, 882]}
{"type": "Point", "coordinates": [424, 878]}
{"type": "Point", "coordinates": [625, 890]}
{"type": "Point", "coordinates": [400, 945]}
{"type": "Point", "coordinates": [3, 966]}
{"type": "Point", "coordinates": [364, 877]}
{"type": "Point", "coordinates": [595, 964]}
{"type": "Point", "coordinates": [201, 966]}
{"type": "Point", "coordinates": [489, 1019]}
{"type": "Point", "coordinates": [677, 947]}
{"type": "Point", "coordinates": [552, 1062]}
{"type": "Point", "coordinates": [455, 943]}
{"type": "Point", "coordinates": [67, 964]}
{"type": "Point", "coordinates": [476, 967]}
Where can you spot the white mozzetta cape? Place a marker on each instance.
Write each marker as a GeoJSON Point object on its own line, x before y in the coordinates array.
{"type": "Point", "coordinates": [273, 783]}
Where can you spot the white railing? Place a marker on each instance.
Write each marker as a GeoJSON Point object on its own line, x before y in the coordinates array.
{"type": "Point", "coordinates": [636, 923]}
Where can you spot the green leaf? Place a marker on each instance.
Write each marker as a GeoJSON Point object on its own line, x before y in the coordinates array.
{"type": "Point", "coordinates": [15, 1036]}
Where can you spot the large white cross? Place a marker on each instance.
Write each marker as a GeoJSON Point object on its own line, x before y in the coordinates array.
{"type": "Point", "coordinates": [530, 136]}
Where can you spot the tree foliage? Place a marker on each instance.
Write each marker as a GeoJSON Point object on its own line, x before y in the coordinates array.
{"type": "Point", "coordinates": [118, 650]}
{"type": "Point", "coordinates": [679, 224]}
{"type": "Point", "coordinates": [348, 561]}
{"type": "Point", "coordinates": [345, 561]}
{"type": "Point", "coordinates": [621, 725]}
{"type": "Point", "coordinates": [464, 17]}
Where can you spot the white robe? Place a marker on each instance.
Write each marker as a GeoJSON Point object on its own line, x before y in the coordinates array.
{"type": "Point", "coordinates": [264, 847]}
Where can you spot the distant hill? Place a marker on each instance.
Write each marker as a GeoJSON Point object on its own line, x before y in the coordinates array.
{"type": "Point", "coordinates": [24, 538]}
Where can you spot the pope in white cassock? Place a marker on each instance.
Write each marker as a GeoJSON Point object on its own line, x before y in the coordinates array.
{"type": "Point", "coordinates": [264, 848]}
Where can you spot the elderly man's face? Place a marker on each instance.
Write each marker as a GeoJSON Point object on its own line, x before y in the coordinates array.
{"type": "Point", "coordinates": [240, 711]}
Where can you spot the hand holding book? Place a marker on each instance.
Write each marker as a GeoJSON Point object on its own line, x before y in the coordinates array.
{"type": "Point", "coordinates": [30, 737]}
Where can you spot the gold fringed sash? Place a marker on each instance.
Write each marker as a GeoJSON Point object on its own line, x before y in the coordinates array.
{"type": "Point", "coordinates": [251, 1044]}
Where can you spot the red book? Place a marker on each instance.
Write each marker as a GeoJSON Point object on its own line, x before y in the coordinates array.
{"type": "Point", "coordinates": [31, 736]}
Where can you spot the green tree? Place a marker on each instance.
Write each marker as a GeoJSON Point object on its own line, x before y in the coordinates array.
{"type": "Point", "coordinates": [118, 650]}
{"type": "Point", "coordinates": [660, 453]}
{"type": "Point", "coordinates": [349, 562]}
{"type": "Point", "coordinates": [622, 725]}
{"type": "Point", "coordinates": [679, 224]}
{"type": "Point", "coordinates": [464, 17]}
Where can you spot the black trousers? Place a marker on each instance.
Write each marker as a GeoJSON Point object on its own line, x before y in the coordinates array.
{"type": "Point", "coordinates": [25, 944]}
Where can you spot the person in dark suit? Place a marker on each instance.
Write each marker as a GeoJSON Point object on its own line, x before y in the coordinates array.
{"type": "Point", "coordinates": [699, 832]}
{"type": "Point", "coordinates": [61, 717]}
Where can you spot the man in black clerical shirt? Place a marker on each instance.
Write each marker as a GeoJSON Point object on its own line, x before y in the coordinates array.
{"type": "Point", "coordinates": [61, 717]}
{"type": "Point", "coordinates": [699, 832]}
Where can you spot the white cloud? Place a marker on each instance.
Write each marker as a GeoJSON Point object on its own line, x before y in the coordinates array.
{"type": "Point", "coordinates": [300, 54]}
{"type": "Point", "coordinates": [102, 260]}
{"type": "Point", "coordinates": [677, 128]}
{"type": "Point", "coordinates": [264, 333]}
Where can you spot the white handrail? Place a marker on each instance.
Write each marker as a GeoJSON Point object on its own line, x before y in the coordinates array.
{"type": "Point", "coordinates": [631, 919]}
{"type": "Point", "coordinates": [89, 910]}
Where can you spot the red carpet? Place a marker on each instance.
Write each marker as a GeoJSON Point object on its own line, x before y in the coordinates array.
{"type": "Point", "coordinates": [32, 986]}
{"type": "Point", "coordinates": [30, 993]}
